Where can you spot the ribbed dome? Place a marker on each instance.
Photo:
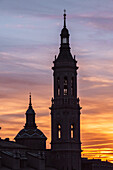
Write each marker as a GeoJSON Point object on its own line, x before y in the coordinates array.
{"type": "Point", "coordinates": [31, 133]}
{"type": "Point", "coordinates": [30, 129]}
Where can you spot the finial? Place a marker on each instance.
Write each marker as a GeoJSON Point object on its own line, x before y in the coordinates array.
{"type": "Point", "coordinates": [30, 104]}
{"type": "Point", "coordinates": [64, 18]}
{"type": "Point", "coordinates": [52, 100]}
{"type": "Point", "coordinates": [55, 57]}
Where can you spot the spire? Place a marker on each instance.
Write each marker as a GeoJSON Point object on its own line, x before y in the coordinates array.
{"type": "Point", "coordinates": [30, 104]}
{"type": "Point", "coordinates": [64, 18]}
{"type": "Point", "coordinates": [65, 53]}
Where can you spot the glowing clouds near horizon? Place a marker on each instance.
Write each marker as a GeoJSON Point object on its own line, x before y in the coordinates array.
{"type": "Point", "coordinates": [97, 119]}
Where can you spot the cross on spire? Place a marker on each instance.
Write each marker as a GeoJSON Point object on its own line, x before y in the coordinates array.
{"type": "Point", "coordinates": [64, 18]}
{"type": "Point", "coordinates": [30, 104]}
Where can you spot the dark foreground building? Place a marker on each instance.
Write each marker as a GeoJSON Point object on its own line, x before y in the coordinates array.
{"type": "Point", "coordinates": [29, 152]}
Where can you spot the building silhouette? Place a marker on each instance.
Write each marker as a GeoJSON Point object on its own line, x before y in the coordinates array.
{"type": "Point", "coordinates": [29, 152]}
{"type": "Point", "coordinates": [30, 136]}
{"type": "Point", "coordinates": [65, 109]}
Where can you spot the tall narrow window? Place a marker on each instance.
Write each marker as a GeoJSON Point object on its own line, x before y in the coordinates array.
{"type": "Point", "coordinates": [72, 131]}
{"type": "Point", "coordinates": [65, 86]}
{"type": "Point", "coordinates": [59, 131]}
{"type": "Point", "coordinates": [72, 86]}
{"type": "Point", "coordinates": [58, 86]}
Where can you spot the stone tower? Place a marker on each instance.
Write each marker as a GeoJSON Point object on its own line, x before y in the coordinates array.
{"type": "Point", "coordinates": [65, 109]}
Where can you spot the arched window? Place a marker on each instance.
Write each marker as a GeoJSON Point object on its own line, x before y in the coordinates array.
{"type": "Point", "coordinates": [65, 86]}
{"type": "Point", "coordinates": [58, 86]}
{"type": "Point", "coordinates": [72, 131]}
{"type": "Point", "coordinates": [72, 86]}
{"type": "Point", "coordinates": [59, 131]}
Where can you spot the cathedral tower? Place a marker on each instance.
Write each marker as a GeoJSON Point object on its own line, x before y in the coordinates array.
{"type": "Point", "coordinates": [65, 109]}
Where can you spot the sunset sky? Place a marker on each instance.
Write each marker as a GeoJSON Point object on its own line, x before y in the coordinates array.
{"type": "Point", "coordinates": [29, 40]}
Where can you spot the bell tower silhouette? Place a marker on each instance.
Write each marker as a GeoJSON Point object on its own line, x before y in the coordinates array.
{"type": "Point", "coordinates": [65, 109]}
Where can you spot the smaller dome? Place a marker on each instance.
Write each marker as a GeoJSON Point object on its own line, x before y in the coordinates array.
{"type": "Point", "coordinates": [31, 133]}
{"type": "Point", "coordinates": [64, 32]}
{"type": "Point", "coordinates": [30, 111]}
{"type": "Point", "coordinates": [65, 56]}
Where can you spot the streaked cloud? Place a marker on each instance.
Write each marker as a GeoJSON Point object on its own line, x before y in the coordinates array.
{"type": "Point", "coordinates": [29, 39]}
